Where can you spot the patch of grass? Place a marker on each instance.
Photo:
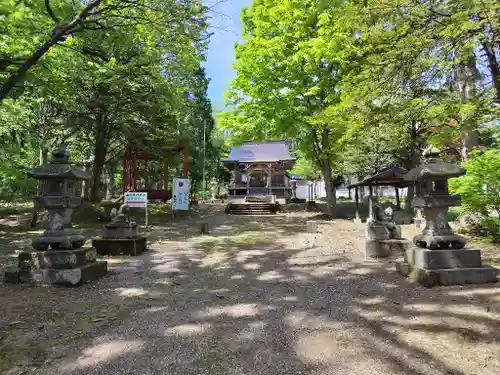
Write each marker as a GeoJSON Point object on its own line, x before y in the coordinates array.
{"type": "Point", "coordinates": [18, 208]}
{"type": "Point", "coordinates": [490, 251]}
{"type": "Point", "coordinates": [14, 355]}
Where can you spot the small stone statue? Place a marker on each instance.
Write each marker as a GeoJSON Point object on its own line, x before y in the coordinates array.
{"type": "Point", "coordinates": [121, 226]}
{"type": "Point", "coordinates": [381, 225]}
{"type": "Point", "coordinates": [120, 216]}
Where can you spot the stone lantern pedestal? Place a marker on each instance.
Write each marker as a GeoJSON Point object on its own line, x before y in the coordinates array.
{"type": "Point", "coordinates": [121, 236]}
{"type": "Point", "coordinates": [439, 256]}
{"type": "Point", "coordinates": [58, 256]}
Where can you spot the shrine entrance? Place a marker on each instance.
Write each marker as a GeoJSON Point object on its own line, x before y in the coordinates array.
{"type": "Point", "coordinates": [258, 179]}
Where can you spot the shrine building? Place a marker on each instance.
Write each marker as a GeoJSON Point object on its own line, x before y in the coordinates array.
{"type": "Point", "coordinates": [260, 169]}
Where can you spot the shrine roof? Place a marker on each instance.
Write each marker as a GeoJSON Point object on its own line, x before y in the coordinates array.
{"type": "Point", "coordinates": [393, 176]}
{"type": "Point", "coordinates": [268, 151]}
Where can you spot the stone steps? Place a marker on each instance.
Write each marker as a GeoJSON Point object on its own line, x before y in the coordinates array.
{"type": "Point", "coordinates": [252, 208]}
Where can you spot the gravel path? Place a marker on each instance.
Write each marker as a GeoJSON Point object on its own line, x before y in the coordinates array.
{"type": "Point", "coordinates": [261, 296]}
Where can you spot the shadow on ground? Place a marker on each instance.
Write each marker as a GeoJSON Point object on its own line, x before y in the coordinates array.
{"type": "Point", "coordinates": [254, 297]}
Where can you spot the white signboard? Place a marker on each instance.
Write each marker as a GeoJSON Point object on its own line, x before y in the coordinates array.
{"type": "Point", "coordinates": [137, 199]}
{"type": "Point", "coordinates": [180, 194]}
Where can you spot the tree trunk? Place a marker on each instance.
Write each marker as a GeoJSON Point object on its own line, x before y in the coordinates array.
{"type": "Point", "coordinates": [43, 155]}
{"type": "Point", "coordinates": [494, 67]}
{"type": "Point", "coordinates": [110, 186]}
{"type": "Point", "coordinates": [468, 142]}
{"type": "Point", "coordinates": [86, 184]}
{"type": "Point", "coordinates": [412, 161]}
{"type": "Point", "coordinates": [331, 196]}
{"type": "Point", "coordinates": [467, 76]}
{"type": "Point", "coordinates": [100, 152]}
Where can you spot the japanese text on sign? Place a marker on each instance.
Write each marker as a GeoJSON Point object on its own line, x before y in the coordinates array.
{"type": "Point", "coordinates": [136, 199]}
{"type": "Point", "coordinates": [180, 195]}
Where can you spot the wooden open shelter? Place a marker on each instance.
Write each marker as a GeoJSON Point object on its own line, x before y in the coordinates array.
{"type": "Point", "coordinates": [393, 176]}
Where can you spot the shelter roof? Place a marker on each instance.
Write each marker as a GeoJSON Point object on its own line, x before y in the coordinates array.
{"type": "Point", "coordinates": [393, 176]}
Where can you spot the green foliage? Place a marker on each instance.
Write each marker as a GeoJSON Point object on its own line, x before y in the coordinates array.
{"type": "Point", "coordinates": [125, 70]}
{"type": "Point", "coordinates": [285, 82]}
{"type": "Point", "coordinates": [305, 168]}
{"type": "Point", "coordinates": [480, 187]}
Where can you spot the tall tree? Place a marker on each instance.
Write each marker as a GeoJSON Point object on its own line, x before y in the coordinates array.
{"type": "Point", "coordinates": [284, 84]}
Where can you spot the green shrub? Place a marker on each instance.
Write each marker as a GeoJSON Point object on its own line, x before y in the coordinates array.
{"type": "Point", "coordinates": [480, 191]}
{"type": "Point", "coordinates": [480, 187]}
{"type": "Point", "coordinates": [491, 226]}
{"type": "Point", "coordinates": [387, 200]}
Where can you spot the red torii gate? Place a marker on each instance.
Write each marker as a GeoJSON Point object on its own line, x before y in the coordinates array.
{"type": "Point", "coordinates": [133, 154]}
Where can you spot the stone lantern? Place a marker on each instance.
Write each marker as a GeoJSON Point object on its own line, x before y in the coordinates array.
{"type": "Point", "coordinates": [439, 255]}
{"type": "Point", "coordinates": [58, 257]}
{"type": "Point", "coordinates": [60, 184]}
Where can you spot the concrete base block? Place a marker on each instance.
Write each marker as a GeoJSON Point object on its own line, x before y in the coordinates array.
{"type": "Point", "coordinates": [65, 240]}
{"type": "Point", "coordinates": [443, 259]}
{"type": "Point", "coordinates": [312, 226]}
{"type": "Point", "coordinates": [456, 276]}
{"type": "Point", "coordinates": [65, 277]}
{"type": "Point", "coordinates": [384, 248]}
{"type": "Point", "coordinates": [117, 246]}
{"type": "Point", "coordinates": [62, 259]}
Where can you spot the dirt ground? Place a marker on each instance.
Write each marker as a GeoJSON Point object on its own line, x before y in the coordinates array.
{"type": "Point", "coordinates": [258, 295]}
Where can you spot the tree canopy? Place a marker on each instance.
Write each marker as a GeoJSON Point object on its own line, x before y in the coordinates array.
{"type": "Point", "coordinates": [364, 85]}
{"type": "Point", "coordinates": [97, 74]}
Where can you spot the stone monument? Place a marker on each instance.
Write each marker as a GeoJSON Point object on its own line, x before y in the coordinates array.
{"type": "Point", "coordinates": [383, 236]}
{"type": "Point", "coordinates": [58, 257]}
{"type": "Point", "coordinates": [439, 256]}
{"type": "Point", "coordinates": [121, 236]}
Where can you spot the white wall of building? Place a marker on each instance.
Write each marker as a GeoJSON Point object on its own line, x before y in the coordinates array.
{"type": "Point", "coordinates": [320, 192]}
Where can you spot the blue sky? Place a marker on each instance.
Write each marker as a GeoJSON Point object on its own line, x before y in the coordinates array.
{"type": "Point", "coordinates": [227, 29]}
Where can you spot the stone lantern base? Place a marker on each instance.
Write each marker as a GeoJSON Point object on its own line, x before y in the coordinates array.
{"type": "Point", "coordinates": [446, 267]}
{"type": "Point", "coordinates": [120, 246]}
{"type": "Point", "coordinates": [60, 267]}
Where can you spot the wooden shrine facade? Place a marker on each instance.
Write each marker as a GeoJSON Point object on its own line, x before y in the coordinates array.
{"type": "Point", "coordinates": [134, 156]}
{"type": "Point", "coordinates": [260, 169]}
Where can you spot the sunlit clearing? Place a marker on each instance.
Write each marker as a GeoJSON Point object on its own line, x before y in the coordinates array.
{"type": "Point", "coordinates": [302, 320]}
{"type": "Point", "coordinates": [131, 292]}
{"type": "Point", "coordinates": [361, 271]}
{"type": "Point", "coordinates": [237, 277]}
{"type": "Point", "coordinates": [371, 301]}
{"type": "Point", "coordinates": [104, 352]}
{"type": "Point", "coordinates": [234, 311]}
{"type": "Point", "coordinates": [188, 329]}
{"type": "Point", "coordinates": [251, 266]}
{"type": "Point", "coordinates": [494, 292]}
{"type": "Point", "coordinates": [270, 275]}
{"type": "Point", "coordinates": [252, 332]}
{"type": "Point", "coordinates": [215, 259]}
{"type": "Point", "coordinates": [319, 347]}
{"type": "Point", "coordinates": [289, 299]}
{"type": "Point", "coordinates": [242, 256]}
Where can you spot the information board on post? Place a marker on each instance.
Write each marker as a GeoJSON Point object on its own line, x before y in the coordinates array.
{"type": "Point", "coordinates": [137, 199]}
{"type": "Point", "coordinates": [180, 194]}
